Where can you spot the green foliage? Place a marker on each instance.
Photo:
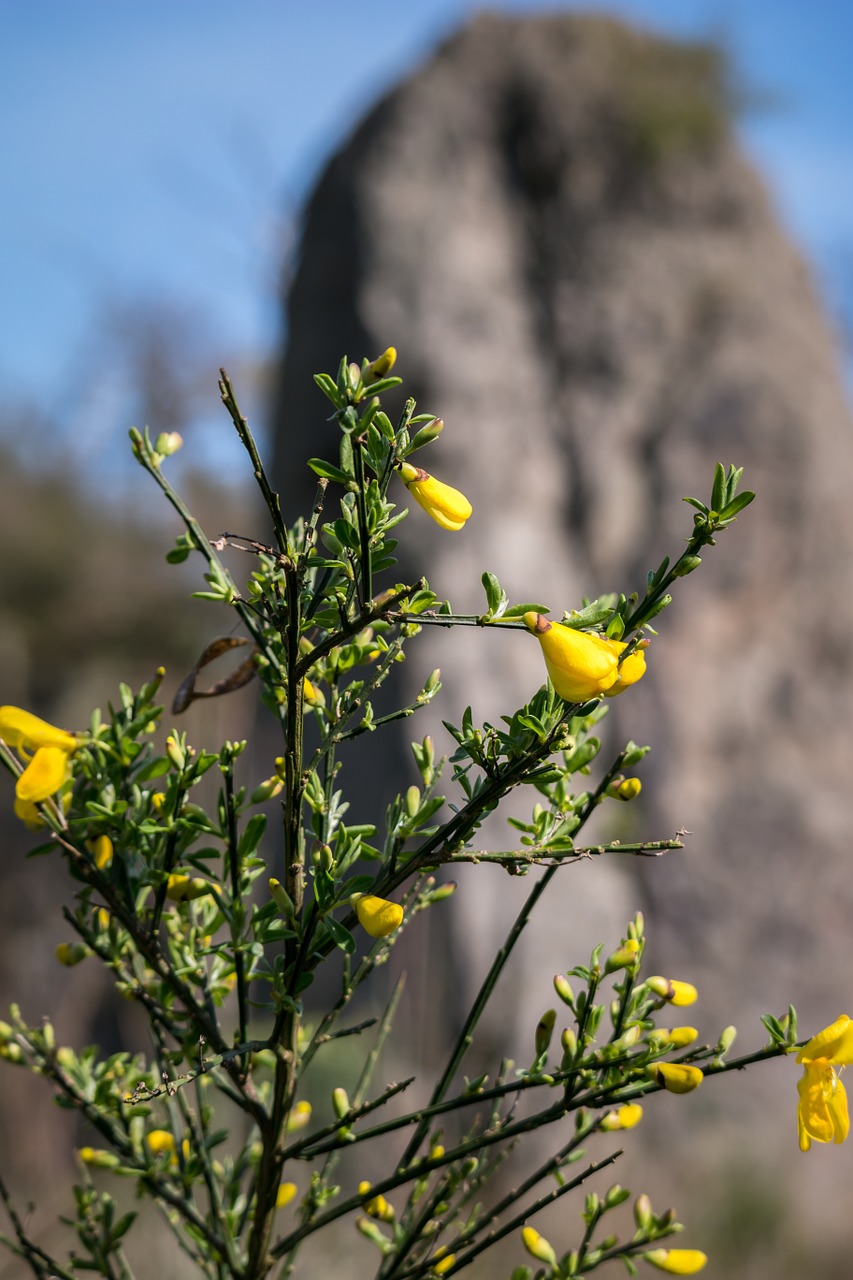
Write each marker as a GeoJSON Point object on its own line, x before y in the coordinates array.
{"type": "Point", "coordinates": [168, 854]}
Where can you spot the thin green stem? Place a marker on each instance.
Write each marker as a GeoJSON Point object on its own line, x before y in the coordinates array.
{"type": "Point", "coordinates": [271, 499]}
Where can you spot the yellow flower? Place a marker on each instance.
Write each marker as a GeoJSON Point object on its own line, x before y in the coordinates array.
{"type": "Point", "coordinates": [448, 507]}
{"type": "Point", "coordinates": [47, 770]}
{"type": "Point", "coordinates": [377, 916]}
{"type": "Point", "coordinates": [678, 1262]}
{"type": "Point", "coordinates": [677, 1077]}
{"type": "Point", "coordinates": [160, 1141]}
{"type": "Point", "coordinates": [286, 1192]}
{"type": "Point", "coordinates": [625, 1117]}
{"type": "Point", "coordinates": [580, 665]}
{"type": "Point", "coordinates": [678, 993]}
{"type": "Point", "coordinates": [822, 1110]}
{"type": "Point", "coordinates": [71, 953]}
{"type": "Point", "coordinates": [583, 665]}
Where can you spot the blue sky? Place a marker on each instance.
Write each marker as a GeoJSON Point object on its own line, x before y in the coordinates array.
{"type": "Point", "coordinates": [160, 150]}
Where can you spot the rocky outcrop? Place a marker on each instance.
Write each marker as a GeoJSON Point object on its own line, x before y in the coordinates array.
{"type": "Point", "coordinates": [554, 224]}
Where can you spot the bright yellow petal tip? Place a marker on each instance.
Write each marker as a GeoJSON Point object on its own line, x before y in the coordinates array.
{"type": "Point", "coordinates": [43, 776]}
{"type": "Point", "coordinates": [447, 506]}
{"type": "Point", "coordinates": [678, 1262]}
{"type": "Point", "coordinates": [377, 916]}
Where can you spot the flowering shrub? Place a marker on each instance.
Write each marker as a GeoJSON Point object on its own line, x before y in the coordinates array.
{"type": "Point", "coordinates": [177, 900]}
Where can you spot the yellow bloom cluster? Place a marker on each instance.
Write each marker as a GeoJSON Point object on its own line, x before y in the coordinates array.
{"type": "Point", "coordinates": [822, 1114]}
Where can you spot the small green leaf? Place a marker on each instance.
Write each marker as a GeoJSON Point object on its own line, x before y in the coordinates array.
{"type": "Point", "coordinates": [322, 468]}
{"type": "Point", "coordinates": [340, 936]}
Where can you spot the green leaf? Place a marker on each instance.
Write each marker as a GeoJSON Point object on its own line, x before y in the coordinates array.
{"type": "Point", "coordinates": [718, 490]}
{"type": "Point", "coordinates": [322, 468]}
{"type": "Point", "coordinates": [328, 387]}
{"type": "Point", "coordinates": [518, 610]}
{"type": "Point", "coordinates": [737, 504]}
{"type": "Point", "coordinates": [495, 596]}
{"type": "Point", "coordinates": [340, 936]}
{"type": "Point", "coordinates": [251, 837]}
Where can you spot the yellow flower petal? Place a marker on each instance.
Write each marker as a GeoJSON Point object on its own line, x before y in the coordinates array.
{"type": "Point", "coordinates": [677, 1077]}
{"type": "Point", "coordinates": [835, 1043]}
{"type": "Point", "coordinates": [377, 916]}
{"type": "Point", "coordinates": [43, 776]}
{"type": "Point", "coordinates": [678, 1262]}
{"type": "Point", "coordinates": [28, 814]}
{"type": "Point", "coordinates": [580, 665]}
{"type": "Point", "coordinates": [22, 729]}
{"type": "Point", "coordinates": [632, 669]}
{"type": "Point", "coordinates": [822, 1114]}
{"type": "Point", "coordinates": [447, 506]}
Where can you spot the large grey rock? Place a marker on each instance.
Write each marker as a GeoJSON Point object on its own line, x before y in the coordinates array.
{"type": "Point", "coordinates": [553, 223]}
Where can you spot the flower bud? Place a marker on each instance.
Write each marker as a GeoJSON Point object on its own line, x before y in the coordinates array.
{"type": "Point", "coordinates": [678, 1262]}
{"type": "Point", "coordinates": [377, 916]}
{"type": "Point", "coordinates": [623, 957]}
{"type": "Point", "coordinates": [727, 1039]}
{"type": "Point", "coordinates": [375, 1206]}
{"type": "Point", "coordinates": [101, 849]}
{"type": "Point", "coordinates": [175, 752]}
{"type": "Point", "coordinates": [168, 442]}
{"type": "Point", "coordinates": [625, 1117]}
{"type": "Point", "coordinates": [676, 1038]}
{"type": "Point", "coordinates": [184, 888]}
{"type": "Point", "coordinates": [447, 506]}
{"type": "Point", "coordinates": [160, 1141]}
{"type": "Point", "coordinates": [678, 993]}
{"type": "Point", "coordinates": [299, 1117]}
{"type": "Point", "coordinates": [381, 366]}
{"type": "Point", "coordinates": [340, 1103]}
{"type": "Point", "coordinates": [441, 1262]}
{"type": "Point", "coordinates": [71, 953]}
{"type": "Point", "coordinates": [97, 1159]}
{"type": "Point", "coordinates": [544, 1031]}
{"type": "Point", "coordinates": [286, 1192]}
{"type": "Point", "coordinates": [677, 1077]}
{"type": "Point", "coordinates": [643, 1212]}
{"type": "Point", "coordinates": [267, 790]}
{"type": "Point", "coordinates": [686, 565]}
{"type": "Point", "coordinates": [629, 789]}
{"type": "Point", "coordinates": [563, 988]}
{"type": "Point", "coordinates": [537, 1246]}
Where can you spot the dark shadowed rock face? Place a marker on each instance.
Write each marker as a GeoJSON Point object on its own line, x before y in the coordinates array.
{"type": "Point", "coordinates": [582, 275]}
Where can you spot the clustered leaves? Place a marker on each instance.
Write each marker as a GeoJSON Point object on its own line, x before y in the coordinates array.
{"type": "Point", "coordinates": [217, 925]}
